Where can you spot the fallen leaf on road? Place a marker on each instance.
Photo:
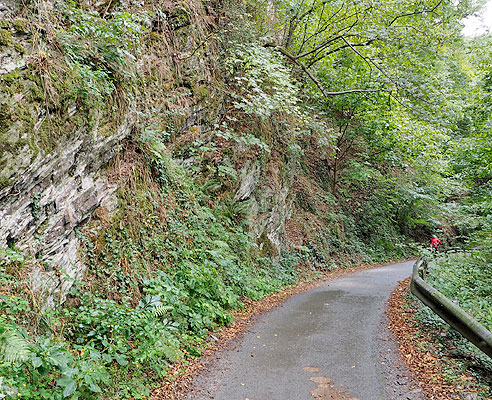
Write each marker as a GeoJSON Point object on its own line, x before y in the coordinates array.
{"type": "Point", "coordinates": [320, 379]}
{"type": "Point", "coordinates": [310, 370]}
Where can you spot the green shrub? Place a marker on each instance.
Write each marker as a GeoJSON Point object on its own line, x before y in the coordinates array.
{"type": "Point", "coordinates": [98, 50]}
{"type": "Point", "coordinates": [465, 278]}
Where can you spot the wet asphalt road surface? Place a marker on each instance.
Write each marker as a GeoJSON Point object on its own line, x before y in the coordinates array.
{"type": "Point", "coordinates": [323, 344]}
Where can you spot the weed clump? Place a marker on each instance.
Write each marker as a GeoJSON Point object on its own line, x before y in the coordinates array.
{"type": "Point", "coordinates": [21, 25]}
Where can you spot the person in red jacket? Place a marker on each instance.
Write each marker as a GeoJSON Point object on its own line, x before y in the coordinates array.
{"type": "Point", "coordinates": [434, 243]}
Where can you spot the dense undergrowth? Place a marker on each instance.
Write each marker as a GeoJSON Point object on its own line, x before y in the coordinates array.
{"type": "Point", "coordinates": [164, 272]}
{"type": "Point", "coordinates": [465, 278]}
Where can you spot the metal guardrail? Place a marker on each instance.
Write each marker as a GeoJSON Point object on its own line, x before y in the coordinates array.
{"type": "Point", "coordinates": [450, 312]}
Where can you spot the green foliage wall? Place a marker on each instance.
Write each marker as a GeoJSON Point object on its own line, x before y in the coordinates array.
{"type": "Point", "coordinates": [155, 287]}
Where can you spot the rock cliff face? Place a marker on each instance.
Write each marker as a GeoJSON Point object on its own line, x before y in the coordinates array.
{"type": "Point", "coordinates": [46, 191]}
{"type": "Point", "coordinates": [52, 197]}
{"type": "Point", "coordinates": [270, 203]}
{"type": "Point", "coordinates": [50, 185]}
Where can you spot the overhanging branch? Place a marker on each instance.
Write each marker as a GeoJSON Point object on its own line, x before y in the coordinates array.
{"type": "Point", "coordinates": [325, 93]}
{"type": "Point", "coordinates": [415, 13]}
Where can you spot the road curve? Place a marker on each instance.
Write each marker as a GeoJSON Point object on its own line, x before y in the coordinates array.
{"type": "Point", "coordinates": [323, 344]}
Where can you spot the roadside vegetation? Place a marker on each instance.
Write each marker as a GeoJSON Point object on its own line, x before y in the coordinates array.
{"type": "Point", "coordinates": [373, 118]}
{"type": "Point", "coordinates": [465, 278]}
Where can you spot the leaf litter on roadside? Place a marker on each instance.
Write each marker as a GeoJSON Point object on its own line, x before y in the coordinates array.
{"type": "Point", "coordinates": [436, 372]}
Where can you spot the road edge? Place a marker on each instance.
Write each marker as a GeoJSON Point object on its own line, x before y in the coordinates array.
{"type": "Point", "coordinates": [181, 375]}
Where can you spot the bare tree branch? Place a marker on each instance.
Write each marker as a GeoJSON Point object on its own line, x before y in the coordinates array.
{"type": "Point", "coordinates": [325, 93]}
{"type": "Point", "coordinates": [318, 48]}
{"type": "Point", "coordinates": [329, 25]}
{"type": "Point", "coordinates": [415, 13]}
{"type": "Point", "coordinates": [323, 55]}
{"type": "Point", "coordinates": [355, 91]}
{"type": "Point", "coordinates": [302, 66]}
{"type": "Point", "coordinates": [370, 61]}
{"type": "Point", "coordinates": [366, 59]}
{"type": "Point", "coordinates": [290, 31]}
{"type": "Point", "coordinates": [308, 11]}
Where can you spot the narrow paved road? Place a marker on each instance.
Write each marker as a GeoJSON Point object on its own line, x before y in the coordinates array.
{"type": "Point", "coordinates": [324, 344]}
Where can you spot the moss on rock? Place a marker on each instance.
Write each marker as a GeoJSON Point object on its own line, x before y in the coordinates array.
{"type": "Point", "coordinates": [5, 182]}
{"type": "Point", "coordinates": [48, 131]}
{"type": "Point", "coordinates": [19, 48]}
{"type": "Point", "coordinates": [5, 118]}
{"type": "Point", "coordinates": [10, 77]}
{"type": "Point", "coordinates": [21, 25]}
{"type": "Point", "coordinates": [6, 38]}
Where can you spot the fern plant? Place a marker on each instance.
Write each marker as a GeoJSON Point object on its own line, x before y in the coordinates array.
{"type": "Point", "coordinates": [161, 311]}
{"type": "Point", "coordinates": [13, 347]}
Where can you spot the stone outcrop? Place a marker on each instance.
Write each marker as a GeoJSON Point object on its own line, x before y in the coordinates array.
{"type": "Point", "coordinates": [53, 196]}
{"type": "Point", "coordinates": [270, 207]}
{"type": "Point", "coordinates": [249, 177]}
{"type": "Point", "coordinates": [270, 202]}
{"type": "Point", "coordinates": [47, 191]}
